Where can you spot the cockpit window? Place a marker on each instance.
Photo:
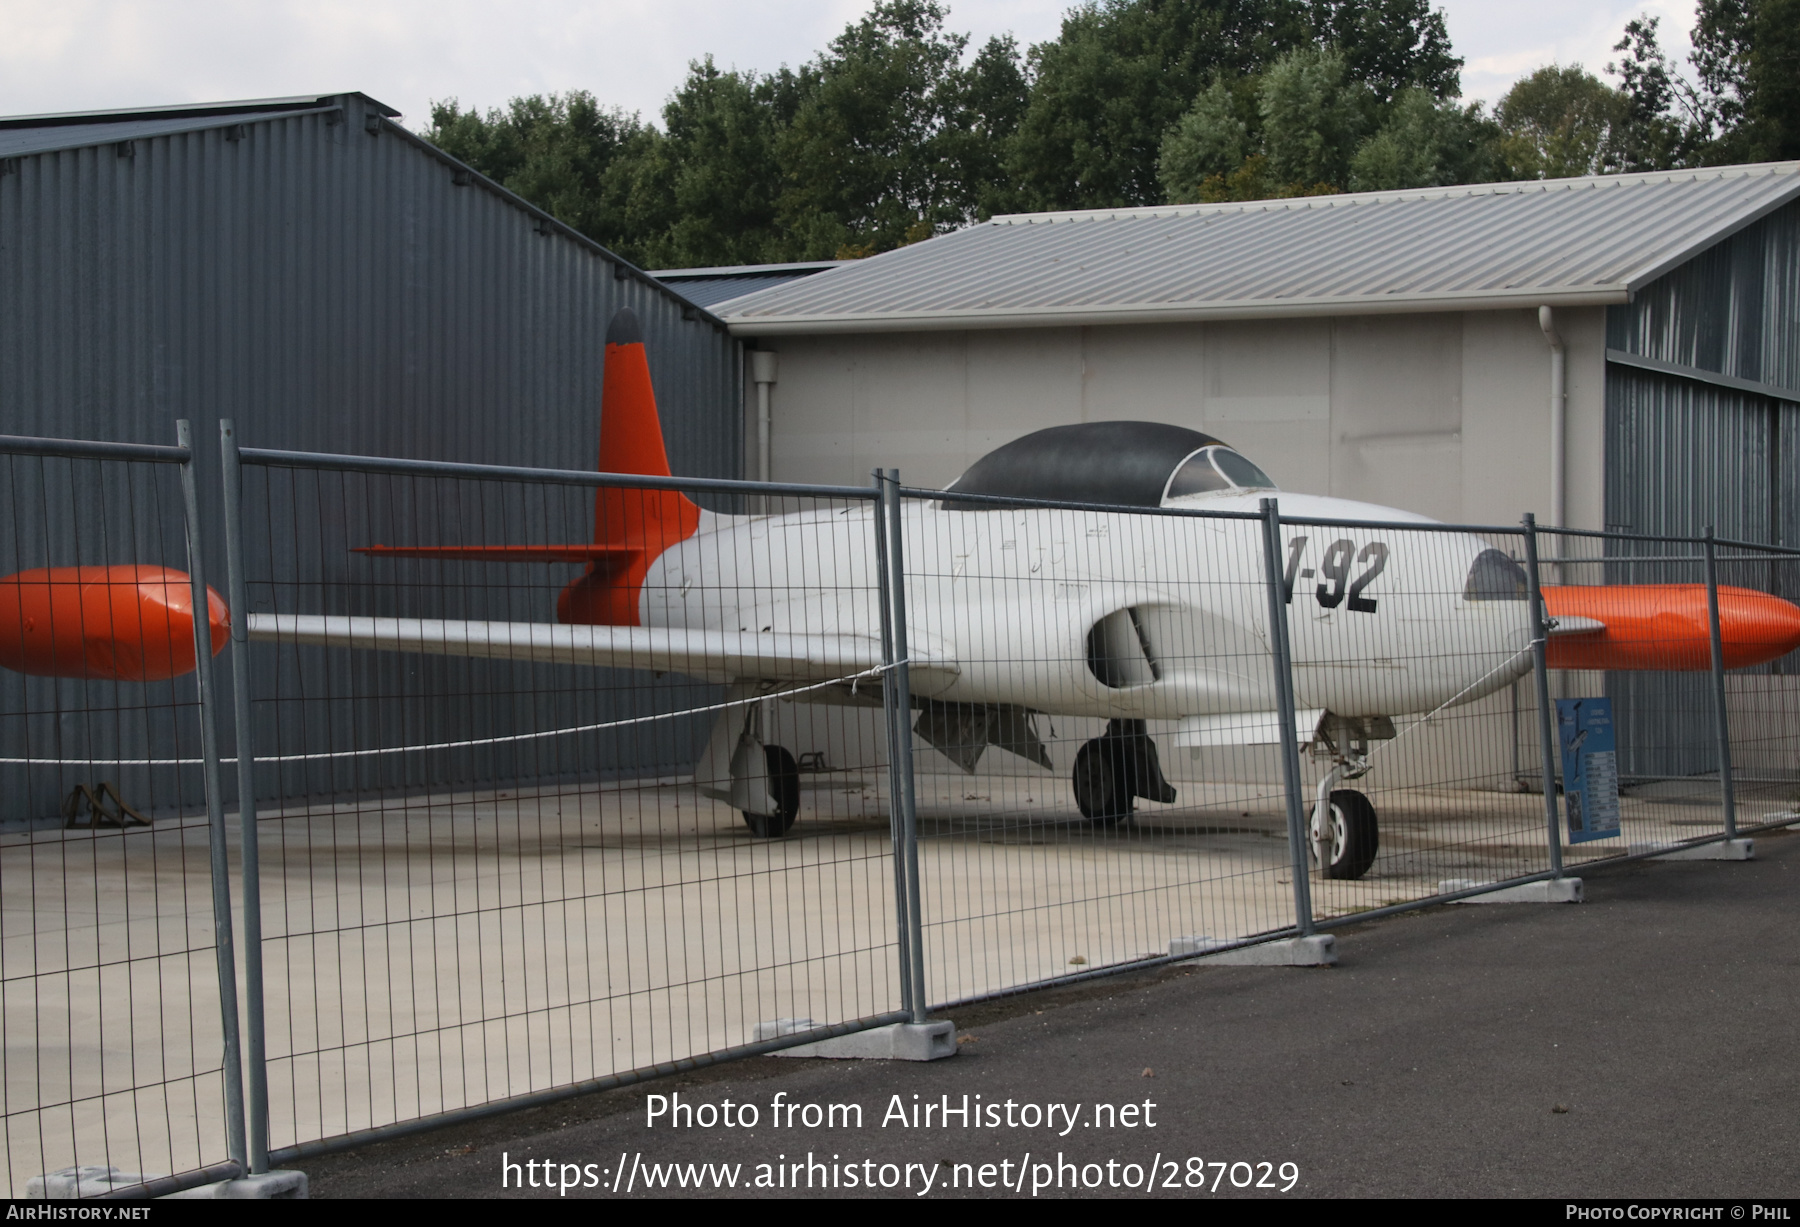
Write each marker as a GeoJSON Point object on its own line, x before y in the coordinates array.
{"type": "Point", "coordinates": [1216, 468]}
{"type": "Point", "coordinates": [1496, 577]}
{"type": "Point", "coordinates": [1242, 473]}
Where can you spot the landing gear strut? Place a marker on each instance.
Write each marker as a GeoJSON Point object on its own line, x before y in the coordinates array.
{"type": "Point", "coordinates": [760, 781]}
{"type": "Point", "coordinates": [783, 789]}
{"type": "Point", "coordinates": [1116, 767]}
{"type": "Point", "coordinates": [1344, 834]}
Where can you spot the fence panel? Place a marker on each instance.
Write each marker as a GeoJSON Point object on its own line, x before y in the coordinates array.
{"type": "Point", "coordinates": [117, 1044]}
{"type": "Point", "coordinates": [1412, 662]}
{"type": "Point", "coordinates": [1081, 635]}
{"type": "Point", "coordinates": [502, 854]}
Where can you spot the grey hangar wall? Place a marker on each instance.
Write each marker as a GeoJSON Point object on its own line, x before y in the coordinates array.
{"type": "Point", "coordinates": [333, 283]}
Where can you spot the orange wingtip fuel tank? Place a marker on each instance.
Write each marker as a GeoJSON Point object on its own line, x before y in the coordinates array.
{"type": "Point", "coordinates": [128, 623]}
{"type": "Point", "coordinates": [1664, 626]}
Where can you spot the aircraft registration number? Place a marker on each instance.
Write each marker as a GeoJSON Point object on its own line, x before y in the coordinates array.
{"type": "Point", "coordinates": [1336, 585]}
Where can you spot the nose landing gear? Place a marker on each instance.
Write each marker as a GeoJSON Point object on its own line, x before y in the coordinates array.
{"type": "Point", "coordinates": [1113, 769]}
{"type": "Point", "coordinates": [1345, 835]}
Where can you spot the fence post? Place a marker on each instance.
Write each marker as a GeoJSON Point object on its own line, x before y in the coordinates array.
{"type": "Point", "coordinates": [223, 952]}
{"type": "Point", "coordinates": [894, 721]}
{"type": "Point", "coordinates": [257, 1099]}
{"type": "Point", "coordinates": [1721, 719]}
{"type": "Point", "coordinates": [1284, 707]}
{"type": "Point", "coordinates": [1546, 720]}
{"type": "Point", "coordinates": [903, 733]}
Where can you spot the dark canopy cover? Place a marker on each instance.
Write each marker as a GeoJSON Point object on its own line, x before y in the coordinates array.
{"type": "Point", "coordinates": [1121, 464]}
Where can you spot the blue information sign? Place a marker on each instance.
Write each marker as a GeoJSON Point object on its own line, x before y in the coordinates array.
{"type": "Point", "coordinates": [1590, 765]}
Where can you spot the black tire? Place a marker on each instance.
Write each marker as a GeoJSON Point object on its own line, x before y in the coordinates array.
{"type": "Point", "coordinates": [1102, 791]}
{"type": "Point", "coordinates": [1355, 836]}
{"type": "Point", "coordinates": [784, 783]}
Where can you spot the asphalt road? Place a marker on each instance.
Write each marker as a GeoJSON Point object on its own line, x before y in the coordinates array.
{"type": "Point", "coordinates": [1644, 1044]}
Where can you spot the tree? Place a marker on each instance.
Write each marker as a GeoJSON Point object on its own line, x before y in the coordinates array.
{"type": "Point", "coordinates": [573, 158]}
{"type": "Point", "coordinates": [710, 198]}
{"type": "Point", "coordinates": [891, 145]}
{"type": "Point", "coordinates": [1650, 136]}
{"type": "Point", "coordinates": [1208, 143]}
{"type": "Point", "coordinates": [1390, 45]}
{"type": "Point", "coordinates": [1121, 73]}
{"type": "Point", "coordinates": [1314, 116]}
{"type": "Point", "coordinates": [1560, 122]}
{"type": "Point", "coordinates": [1747, 54]}
{"type": "Point", "coordinates": [1124, 72]}
{"type": "Point", "coordinates": [1425, 142]}
{"type": "Point", "coordinates": [1313, 128]}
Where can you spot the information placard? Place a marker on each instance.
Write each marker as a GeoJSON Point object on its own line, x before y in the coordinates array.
{"type": "Point", "coordinates": [1590, 766]}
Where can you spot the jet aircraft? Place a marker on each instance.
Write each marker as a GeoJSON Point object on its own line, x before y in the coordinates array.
{"type": "Point", "coordinates": [1383, 622]}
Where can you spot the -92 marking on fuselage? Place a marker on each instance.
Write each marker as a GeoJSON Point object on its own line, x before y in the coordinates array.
{"type": "Point", "coordinates": [1335, 582]}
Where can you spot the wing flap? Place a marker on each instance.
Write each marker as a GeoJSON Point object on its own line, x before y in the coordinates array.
{"type": "Point", "coordinates": [713, 655]}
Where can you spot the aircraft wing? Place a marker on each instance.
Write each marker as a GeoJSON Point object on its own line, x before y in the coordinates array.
{"type": "Point", "coordinates": [500, 553]}
{"type": "Point", "coordinates": [713, 655]}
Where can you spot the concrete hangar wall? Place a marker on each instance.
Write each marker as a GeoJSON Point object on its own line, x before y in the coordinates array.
{"type": "Point", "coordinates": [315, 271]}
{"type": "Point", "coordinates": [1443, 414]}
{"type": "Point", "coordinates": [1382, 346]}
{"type": "Point", "coordinates": [1386, 347]}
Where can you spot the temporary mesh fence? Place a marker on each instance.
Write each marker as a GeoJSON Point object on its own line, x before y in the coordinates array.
{"type": "Point", "coordinates": [120, 1063]}
{"type": "Point", "coordinates": [1414, 646]}
{"type": "Point", "coordinates": [557, 780]}
{"type": "Point", "coordinates": [507, 729]}
{"type": "Point", "coordinates": [1033, 863]}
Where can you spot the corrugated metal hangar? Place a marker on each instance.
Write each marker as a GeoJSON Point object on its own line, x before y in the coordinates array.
{"type": "Point", "coordinates": [312, 269]}
{"type": "Point", "coordinates": [1388, 346]}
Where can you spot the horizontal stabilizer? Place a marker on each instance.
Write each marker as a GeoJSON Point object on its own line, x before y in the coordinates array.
{"type": "Point", "coordinates": [501, 553]}
{"type": "Point", "coordinates": [711, 655]}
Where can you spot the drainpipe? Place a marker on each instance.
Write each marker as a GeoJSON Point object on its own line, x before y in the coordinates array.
{"type": "Point", "coordinates": [1559, 402]}
{"type": "Point", "coordinates": [762, 372]}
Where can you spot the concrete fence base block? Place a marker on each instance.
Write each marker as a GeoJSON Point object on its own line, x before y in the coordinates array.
{"type": "Point", "coordinates": [1319, 950]}
{"type": "Point", "coordinates": [1725, 850]}
{"type": "Point", "coordinates": [930, 1041]}
{"type": "Point", "coordinates": [72, 1182]}
{"type": "Point", "coordinates": [1554, 890]}
{"type": "Point", "coordinates": [269, 1186]}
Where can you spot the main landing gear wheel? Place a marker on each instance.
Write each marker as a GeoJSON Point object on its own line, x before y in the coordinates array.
{"type": "Point", "coordinates": [1354, 835]}
{"type": "Point", "coordinates": [1101, 789]}
{"type": "Point", "coordinates": [784, 786]}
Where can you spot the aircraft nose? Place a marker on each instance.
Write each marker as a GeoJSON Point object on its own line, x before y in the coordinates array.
{"type": "Point", "coordinates": [1755, 627]}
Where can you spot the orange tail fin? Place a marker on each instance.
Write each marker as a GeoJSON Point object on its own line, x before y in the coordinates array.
{"type": "Point", "coordinates": [631, 441]}
{"type": "Point", "coordinates": [640, 524]}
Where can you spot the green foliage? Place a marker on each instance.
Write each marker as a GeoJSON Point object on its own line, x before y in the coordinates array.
{"type": "Point", "coordinates": [1426, 142]}
{"type": "Point", "coordinates": [1123, 71]}
{"type": "Point", "coordinates": [1390, 45]}
{"type": "Point", "coordinates": [1209, 142]}
{"type": "Point", "coordinates": [894, 142]}
{"type": "Point", "coordinates": [900, 129]}
{"type": "Point", "coordinates": [1747, 54]}
{"type": "Point", "coordinates": [1312, 128]}
{"type": "Point", "coordinates": [1560, 122]}
{"type": "Point", "coordinates": [1314, 116]}
{"type": "Point", "coordinates": [1743, 103]}
{"type": "Point", "coordinates": [573, 158]}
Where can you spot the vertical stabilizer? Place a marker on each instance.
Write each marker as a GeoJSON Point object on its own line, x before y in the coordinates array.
{"type": "Point", "coordinates": [641, 524]}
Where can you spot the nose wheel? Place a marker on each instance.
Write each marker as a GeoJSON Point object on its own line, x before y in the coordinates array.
{"type": "Point", "coordinates": [1345, 835]}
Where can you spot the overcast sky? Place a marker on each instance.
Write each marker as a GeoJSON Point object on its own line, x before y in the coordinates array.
{"type": "Point", "coordinates": [75, 55]}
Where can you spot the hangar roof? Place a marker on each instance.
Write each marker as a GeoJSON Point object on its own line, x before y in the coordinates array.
{"type": "Point", "coordinates": [25, 134]}
{"type": "Point", "coordinates": [1565, 242]}
{"type": "Point", "coordinates": [708, 287]}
